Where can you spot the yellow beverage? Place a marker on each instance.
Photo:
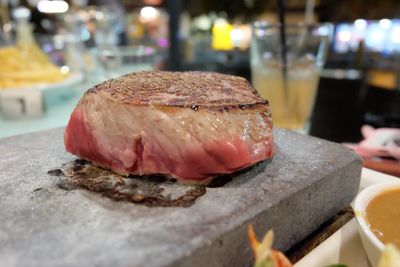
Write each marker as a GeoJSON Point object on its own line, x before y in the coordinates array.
{"type": "Point", "coordinates": [291, 106]}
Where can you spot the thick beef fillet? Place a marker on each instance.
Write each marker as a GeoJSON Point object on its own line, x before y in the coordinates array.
{"type": "Point", "coordinates": [188, 125]}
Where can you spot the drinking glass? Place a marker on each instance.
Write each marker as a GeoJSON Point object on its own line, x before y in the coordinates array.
{"type": "Point", "coordinates": [117, 61]}
{"type": "Point", "coordinates": [287, 75]}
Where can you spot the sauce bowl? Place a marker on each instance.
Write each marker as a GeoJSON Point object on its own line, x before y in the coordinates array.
{"type": "Point", "coordinates": [372, 245]}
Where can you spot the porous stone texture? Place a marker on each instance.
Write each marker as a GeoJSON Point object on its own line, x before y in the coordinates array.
{"type": "Point", "coordinates": [307, 182]}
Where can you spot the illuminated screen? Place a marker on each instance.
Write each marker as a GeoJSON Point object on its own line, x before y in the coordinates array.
{"type": "Point", "coordinates": [379, 36]}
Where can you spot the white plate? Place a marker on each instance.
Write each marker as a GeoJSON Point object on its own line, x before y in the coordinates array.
{"type": "Point", "coordinates": [31, 102]}
{"type": "Point", "coordinates": [345, 245]}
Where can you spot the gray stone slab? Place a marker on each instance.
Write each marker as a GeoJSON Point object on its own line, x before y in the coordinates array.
{"type": "Point", "coordinates": [307, 182]}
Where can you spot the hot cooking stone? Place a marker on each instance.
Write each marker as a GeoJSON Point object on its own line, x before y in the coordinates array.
{"type": "Point", "coordinates": [306, 183]}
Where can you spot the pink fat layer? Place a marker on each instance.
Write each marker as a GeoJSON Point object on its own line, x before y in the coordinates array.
{"type": "Point", "coordinates": [197, 161]}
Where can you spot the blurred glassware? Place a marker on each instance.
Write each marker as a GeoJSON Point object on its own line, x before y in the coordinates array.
{"type": "Point", "coordinates": [117, 61]}
{"type": "Point", "coordinates": [5, 24]}
{"type": "Point", "coordinates": [69, 52]}
{"type": "Point", "coordinates": [289, 86]}
{"type": "Point", "coordinates": [4, 40]}
{"type": "Point", "coordinates": [149, 26]}
{"type": "Point", "coordinates": [106, 35]}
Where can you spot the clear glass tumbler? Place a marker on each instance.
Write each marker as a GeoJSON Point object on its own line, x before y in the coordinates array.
{"type": "Point", "coordinates": [289, 82]}
{"type": "Point", "coordinates": [116, 61]}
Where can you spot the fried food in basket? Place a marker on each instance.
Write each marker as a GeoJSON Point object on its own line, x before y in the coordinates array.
{"type": "Point", "coordinates": [25, 65]}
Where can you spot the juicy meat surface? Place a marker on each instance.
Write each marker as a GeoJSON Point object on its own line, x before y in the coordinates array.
{"type": "Point", "coordinates": [191, 126]}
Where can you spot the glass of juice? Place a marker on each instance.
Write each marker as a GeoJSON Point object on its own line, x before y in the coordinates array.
{"type": "Point", "coordinates": [287, 74]}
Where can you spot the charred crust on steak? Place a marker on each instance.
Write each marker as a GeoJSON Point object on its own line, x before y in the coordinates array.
{"type": "Point", "coordinates": [193, 89]}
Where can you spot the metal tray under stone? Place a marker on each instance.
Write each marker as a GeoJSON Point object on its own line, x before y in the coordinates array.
{"type": "Point", "coordinates": [41, 224]}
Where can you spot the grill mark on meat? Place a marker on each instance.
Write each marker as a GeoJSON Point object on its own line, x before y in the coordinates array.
{"type": "Point", "coordinates": [181, 89]}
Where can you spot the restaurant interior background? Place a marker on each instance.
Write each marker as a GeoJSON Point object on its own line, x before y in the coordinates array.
{"type": "Point", "coordinates": [90, 41]}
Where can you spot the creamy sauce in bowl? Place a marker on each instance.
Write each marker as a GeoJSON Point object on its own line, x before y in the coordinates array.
{"type": "Point", "coordinates": [383, 216]}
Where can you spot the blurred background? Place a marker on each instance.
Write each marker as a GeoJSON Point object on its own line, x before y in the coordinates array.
{"type": "Point", "coordinates": [51, 51]}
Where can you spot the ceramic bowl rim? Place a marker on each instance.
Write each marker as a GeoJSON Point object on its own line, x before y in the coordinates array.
{"type": "Point", "coordinates": [361, 202]}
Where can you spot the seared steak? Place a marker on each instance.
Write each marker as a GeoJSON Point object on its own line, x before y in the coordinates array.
{"type": "Point", "coordinates": [191, 126]}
